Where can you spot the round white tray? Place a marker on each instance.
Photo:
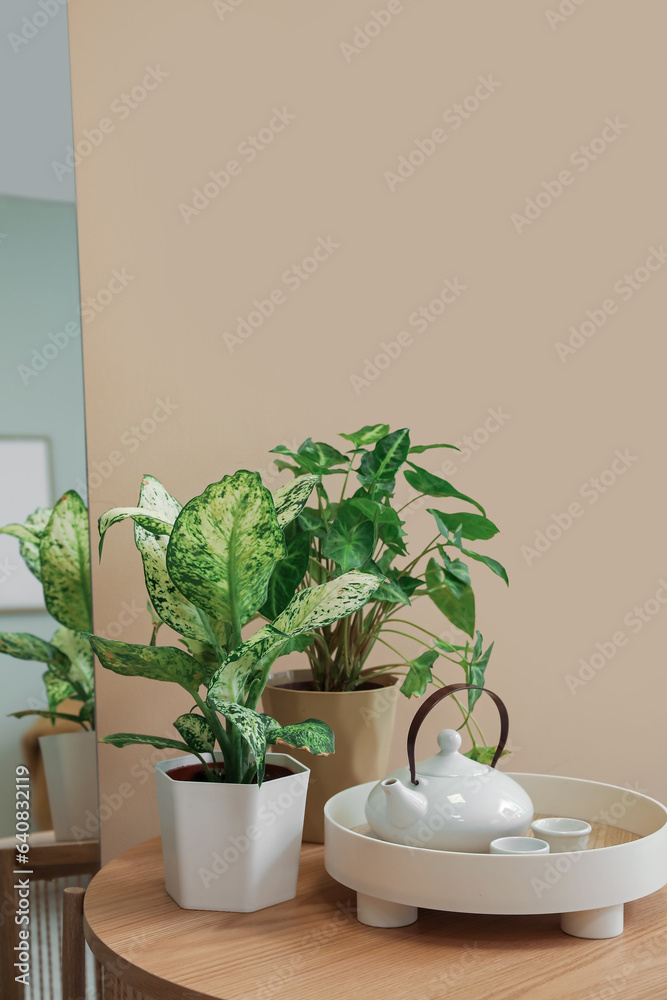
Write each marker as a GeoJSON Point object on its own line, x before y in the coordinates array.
{"type": "Point", "coordinates": [587, 888]}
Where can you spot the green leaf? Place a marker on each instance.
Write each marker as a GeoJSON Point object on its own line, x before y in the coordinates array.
{"type": "Point", "coordinates": [433, 486]}
{"type": "Point", "coordinates": [46, 714]}
{"type": "Point", "coordinates": [24, 646]}
{"type": "Point", "coordinates": [224, 546]}
{"type": "Point", "coordinates": [57, 690]}
{"type": "Point", "coordinates": [419, 449]}
{"type": "Point", "coordinates": [378, 513]}
{"type": "Point", "coordinates": [484, 755]}
{"type": "Point", "coordinates": [312, 521]}
{"type": "Point", "coordinates": [159, 663]}
{"type": "Point", "coordinates": [493, 564]}
{"type": "Point", "coordinates": [420, 674]}
{"type": "Point", "coordinates": [477, 669]}
{"type": "Point", "coordinates": [290, 500]}
{"type": "Point", "coordinates": [76, 648]}
{"type": "Point", "coordinates": [287, 575]}
{"type": "Point", "coordinates": [351, 538]}
{"type": "Point", "coordinates": [473, 526]}
{"type": "Point", "coordinates": [64, 556]}
{"type": "Point", "coordinates": [150, 520]}
{"type": "Point", "coordinates": [251, 725]}
{"type": "Point", "coordinates": [170, 604]}
{"type": "Point", "coordinates": [390, 588]}
{"type": "Point", "coordinates": [314, 456]}
{"type": "Point", "coordinates": [367, 435]}
{"type": "Point", "coordinates": [159, 742]}
{"type": "Point", "coordinates": [449, 588]}
{"type": "Point", "coordinates": [378, 468]}
{"type": "Point", "coordinates": [312, 735]}
{"type": "Point", "coordinates": [196, 732]}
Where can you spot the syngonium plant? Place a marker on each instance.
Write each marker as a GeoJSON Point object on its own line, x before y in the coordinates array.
{"type": "Point", "coordinates": [208, 567]}
{"type": "Point", "coordinates": [359, 528]}
{"type": "Point", "coordinates": [54, 544]}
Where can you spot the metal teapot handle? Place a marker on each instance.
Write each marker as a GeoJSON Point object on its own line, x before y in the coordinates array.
{"type": "Point", "coordinates": [432, 701]}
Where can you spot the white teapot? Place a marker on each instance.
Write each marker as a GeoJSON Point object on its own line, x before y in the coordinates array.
{"type": "Point", "coordinates": [449, 802]}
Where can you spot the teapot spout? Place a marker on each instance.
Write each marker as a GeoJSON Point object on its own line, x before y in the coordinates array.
{"type": "Point", "coordinates": [404, 807]}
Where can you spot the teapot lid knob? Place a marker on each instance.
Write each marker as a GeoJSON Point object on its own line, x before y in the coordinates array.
{"type": "Point", "coordinates": [449, 741]}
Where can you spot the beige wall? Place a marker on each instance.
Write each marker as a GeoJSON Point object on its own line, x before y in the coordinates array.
{"type": "Point", "coordinates": [551, 87]}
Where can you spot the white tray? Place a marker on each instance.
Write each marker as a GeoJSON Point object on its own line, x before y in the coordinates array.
{"type": "Point", "coordinates": [587, 888]}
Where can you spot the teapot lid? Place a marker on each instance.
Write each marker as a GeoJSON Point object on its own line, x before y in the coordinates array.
{"type": "Point", "coordinates": [449, 762]}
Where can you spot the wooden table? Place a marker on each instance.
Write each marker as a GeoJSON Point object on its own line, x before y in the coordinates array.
{"type": "Point", "coordinates": [313, 948]}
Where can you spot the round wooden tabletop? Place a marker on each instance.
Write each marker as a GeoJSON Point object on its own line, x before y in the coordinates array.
{"type": "Point", "coordinates": [313, 948]}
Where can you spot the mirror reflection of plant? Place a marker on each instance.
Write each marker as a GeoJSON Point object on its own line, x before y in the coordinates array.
{"type": "Point", "coordinates": [361, 529]}
{"type": "Point", "coordinates": [208, 567]}
{"type": "Point", "coordinates": [54, 544]}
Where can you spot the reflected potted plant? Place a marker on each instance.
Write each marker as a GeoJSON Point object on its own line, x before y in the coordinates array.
{"type": "Point", "coordinates": [231, 813]}
{"type": "Point", "coordinates": [356, 524]}
{"type": "Point", "coordinates": [55, 546]}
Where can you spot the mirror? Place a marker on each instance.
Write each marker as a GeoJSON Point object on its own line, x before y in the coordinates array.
{"type": "Point", "coordinates": [42, 432]}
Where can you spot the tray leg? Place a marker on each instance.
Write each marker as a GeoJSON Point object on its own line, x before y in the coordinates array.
{"type": "Point", "coordinates": [381, 913]}
{"type": "Point", "coordinates": [606, 922]}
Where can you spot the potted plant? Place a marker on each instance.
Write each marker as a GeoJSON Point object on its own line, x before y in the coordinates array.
{"type": "Point", "coordinates": [356, 524]}
{"type": "Point", "coordinates": [231, 813]}
{"type": "Point", "coordinates": [54, 544]}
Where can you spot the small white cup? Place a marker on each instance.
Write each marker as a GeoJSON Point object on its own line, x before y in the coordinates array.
{"type": "Point", "coordinates": [561, 834]}
{"type": "Point", "coordinates": [519, 845]}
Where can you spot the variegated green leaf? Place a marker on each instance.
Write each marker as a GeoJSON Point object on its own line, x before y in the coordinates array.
{"type": "Point", "coordinates": [224, 546]}
{"type": "Point", "coordinates": [319, 606]}
{"type": "Point", "coordinates": [57, 690]}
{"type": "Point", "coordinates": [196, 732]}
{"type": "Point", "coordinates": [289, 500]}
{"type": "Point", "coordinates": [36, 522]}
{"type": "Point", "coordinates": [150, 520]}
{"type": "Point", "coordinates": [159, 663]}
{"type": "Point", "coordinates": [251, 725]}
{"type": "Point", "coordinates": [46, 714]}
{"type": "Point", "coordinates": [64, 557]}
{"type": "Point", "coordinates": [29, 535]}
{"type": "Point", "coordinates": [77, 650]}
{"type": "Point", "coordinates": [24, 646]}
{"type": "Point", "coordinates": [312, 735]}
{"type": "Point", "coordinates": [160, 742]}
{"type": "Point", "coordinates": [251, 660]}
{"type": "Point", "coordinates": [173, 607]}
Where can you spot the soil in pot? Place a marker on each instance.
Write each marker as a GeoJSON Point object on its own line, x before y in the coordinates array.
{"type": "Point", "coordinates": [196, 772]}
{"type": "Point", "coordinates": [310, 686]}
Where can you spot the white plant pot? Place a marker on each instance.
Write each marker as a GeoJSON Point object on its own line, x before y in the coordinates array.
{"type": "Point", "coordinates": [231, 847]}
{"type": "Point", "coordinates": [70, 766]}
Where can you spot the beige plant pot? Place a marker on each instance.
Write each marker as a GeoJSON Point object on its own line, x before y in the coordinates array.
{"type": "Point", "coordinates": [363, 723]}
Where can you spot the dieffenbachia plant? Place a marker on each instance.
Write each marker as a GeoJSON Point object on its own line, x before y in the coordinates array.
{"type": "Point", "coordinates": [361, 530]}
{"type": "Point", "coordinates": [54, 544]}
{"type": "Point", "coordinates": [208, 568]}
